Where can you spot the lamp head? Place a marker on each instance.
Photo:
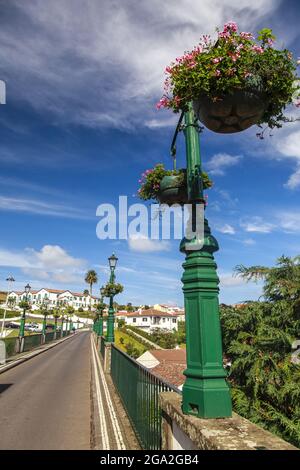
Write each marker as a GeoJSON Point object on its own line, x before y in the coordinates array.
{"type": "Point", "coordinates": [27, 289]}
{"type": "Point", "coordinates": [112, 262]}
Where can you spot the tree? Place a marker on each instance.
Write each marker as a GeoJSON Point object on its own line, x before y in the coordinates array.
{"type": "Point", "coordinates": [280, 282]}
{"type": "Point", "coordinates": [91, 278]}
{"type": "Point", "coordinates": [257, 342]}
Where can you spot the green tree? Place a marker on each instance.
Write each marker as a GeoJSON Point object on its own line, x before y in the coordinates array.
{"type": "Point", "coordinates": [91, 278]}
{"type": "Point", "coordinates": [257, 342]}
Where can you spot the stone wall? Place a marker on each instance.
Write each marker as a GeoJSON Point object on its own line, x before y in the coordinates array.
{"type": "Point", "coordinates": [181, 431]}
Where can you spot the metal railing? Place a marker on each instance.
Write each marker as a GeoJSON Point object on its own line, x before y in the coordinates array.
{"type": "Point", "coordinates": [11, 346]}
{"type": "Point", "coordinates": [32, 341]}
{"type": "Point", "coordinates": [139, 391]}
{"type": "Point", "coordinates": [102, 347]}
{"type": "Point", "coordinates": [49, 337]}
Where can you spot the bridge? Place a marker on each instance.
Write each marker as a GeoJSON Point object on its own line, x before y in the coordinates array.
{"type": "Point", "coordinates": [80, 392]}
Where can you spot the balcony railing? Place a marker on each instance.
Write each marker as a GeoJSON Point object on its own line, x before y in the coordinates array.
{"type": "Point", "coordinates": [139, 391]}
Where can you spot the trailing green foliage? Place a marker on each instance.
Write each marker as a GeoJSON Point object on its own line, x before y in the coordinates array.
{"type": "Point", "coordinates": [112, 288]}
{"type": "Point", "coordinates": [150, 181]}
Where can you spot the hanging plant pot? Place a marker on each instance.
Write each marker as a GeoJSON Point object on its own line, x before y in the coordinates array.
{"type": "Point", "coordinates": [231, 113]}
{"type": "Point", "coordinates": [172, 190]}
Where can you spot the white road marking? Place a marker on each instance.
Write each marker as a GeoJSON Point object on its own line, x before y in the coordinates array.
{"type": "Point", "coordinates": [113, 416]}
{"type": "Point", "coordinates": [103, 428]}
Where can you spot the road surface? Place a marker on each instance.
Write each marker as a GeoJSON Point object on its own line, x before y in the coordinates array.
{"type": "Point", "coordinates": [45, 403]}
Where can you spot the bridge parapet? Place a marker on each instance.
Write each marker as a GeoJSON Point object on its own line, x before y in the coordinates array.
{"type": "Point", "coordinates": [180, 431]}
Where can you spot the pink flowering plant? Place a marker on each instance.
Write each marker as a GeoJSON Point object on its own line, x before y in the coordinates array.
{"type": "Point", "coordinates": [150, 181]}
{"type": "Point", "coordinates": [234, 61]}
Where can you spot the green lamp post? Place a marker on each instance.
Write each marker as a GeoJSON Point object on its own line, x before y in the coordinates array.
{"type": "Point", "coordinates": [45, 311]}
{"type": "Point", "coordinates": [62, 324]}
{"type": "Point", "coordinates": [23, 318]}
{"type": "Point", "coordinates": [100, 318]}
{"type": "Point", "coordinates": [205, 392]}
{"type": "Point", "coordinates": [110, 335]}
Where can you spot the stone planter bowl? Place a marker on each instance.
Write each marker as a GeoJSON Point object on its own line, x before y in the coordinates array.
{"type": "Point", "coordinates": [234, 112]}
{"type": "Point", "coordinates": [172, 191]}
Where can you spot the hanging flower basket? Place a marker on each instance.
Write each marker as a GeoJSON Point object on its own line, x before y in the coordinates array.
{"type": "Point", "coordinates": [231, 113]}
{"type": "Point", "coordinates": [234, 82]}
{"type": "Point", "coordinates": [167, 186]}
{"type": "Point", "coordinates": [172, 190]}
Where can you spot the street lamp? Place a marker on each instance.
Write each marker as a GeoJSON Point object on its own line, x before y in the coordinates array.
{"type": "Point", "coordinates": [25, 305]}
{"type": "Point", "coordinates": [45, 305]}
{"type": "Point", "coordinates": [205, 392]}
{"type": "Point", "coordinates": [110, 335]}
{"type": "Point", "coordinates": [100, 320]}
{"type": "Point", "coordinates": [112, 262]}
{"type": "Point", "coordinates": [9, 281]}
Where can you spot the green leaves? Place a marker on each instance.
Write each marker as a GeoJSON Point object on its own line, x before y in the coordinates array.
{"type": "Point", "coordinates": [257, 339]}
{"type": "Point", "coordinates": [112, 289]}
{"type": "Point", "coordinates": [150, 182]}
{"type": "Point", "coordinates": [235, 61]}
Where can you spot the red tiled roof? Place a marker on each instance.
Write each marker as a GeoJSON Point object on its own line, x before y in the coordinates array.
{"type": "Point", "coordinates": [169, 355]}
{"type": "Point", "coordinates": [150, 313]}
{"type": "Point", "coordinates": [172, 373]}
{"type": "Point", "coordinates": [172, 363]}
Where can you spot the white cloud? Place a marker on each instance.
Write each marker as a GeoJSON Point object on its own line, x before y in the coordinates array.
{"type": "Point", "coordinates": [220, 162]}
{"type": "Point", "coordinates": [289, 221]}
{"type": "Point", "coordinates": [101, 63]}
{"type": "Point", "coordinates": [51, 263]}
{"type": "Point", "coordinates": [294, 180]}
{"type": "Point", "coordinates": [257, 224]}
{"type": "Point", "coordinates": [226, 229]}
{"type": "Point", "coordinates": [35, 206]}
{"type": "Point", "coordinates": [145, 245]}
{"type": "Point", "coordinates": [228, 280]}
{"type": "Point", "coordinates": [249, 241]}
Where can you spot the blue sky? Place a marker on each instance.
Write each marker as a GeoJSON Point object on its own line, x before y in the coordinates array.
{"type": "Point", "coordinates": [80, 126]}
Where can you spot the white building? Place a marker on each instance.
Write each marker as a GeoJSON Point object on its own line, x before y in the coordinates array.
{"type": "Point", "coordinates": [150, 319]}
{"type": "Point", "coordinates": [174, 310]}
{"type": "Point", "coordinates": [56, 297]}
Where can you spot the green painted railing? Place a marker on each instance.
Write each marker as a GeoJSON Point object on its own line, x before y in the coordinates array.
{"type": "Point", "coordinates": [49, 337]}
{"type": "Point", "coordinates": [139, 391]}
{"type": "Point", "coordinates": [102, 347]}
{"type": "Point", "coordinates": [11, 346]}
{"type": "Point", "coordinates": [32, 341]}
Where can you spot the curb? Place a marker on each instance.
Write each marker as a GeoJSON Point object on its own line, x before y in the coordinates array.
{"type": "Point", "coordinates": [32, 354]}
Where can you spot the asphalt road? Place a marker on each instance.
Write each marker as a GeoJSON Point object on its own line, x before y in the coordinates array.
{"type": "Point", "coordinates": [45, 403]}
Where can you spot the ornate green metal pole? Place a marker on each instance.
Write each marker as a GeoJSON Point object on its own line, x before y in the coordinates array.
{"type": "Point", "coordinates": [100, 317]}
{"type": "Point", "coordinates": [55, 328]}
{"type": "Point", "coordinates": [110, 336]}
{"type": "Point", "coordinates": [22, 324]}
{"type": "Point", "coordinates": [44, 325]}
{"type": "Point", "coordinates": [205, 392]}
{"type": "Point", "coordinates": [62, 326]}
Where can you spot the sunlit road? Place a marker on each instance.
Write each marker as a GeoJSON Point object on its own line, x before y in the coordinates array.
{"type": "Point", "coordinates": [45, 402]}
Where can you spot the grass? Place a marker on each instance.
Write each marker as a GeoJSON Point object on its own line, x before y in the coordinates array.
{"type": "Point", "coordinates": [15, 333]}
{"type": "Point", "coordinates": [127, 339]}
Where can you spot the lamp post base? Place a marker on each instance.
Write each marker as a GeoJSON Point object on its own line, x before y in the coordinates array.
{"type": "Point", "coordinates": [206, 398]}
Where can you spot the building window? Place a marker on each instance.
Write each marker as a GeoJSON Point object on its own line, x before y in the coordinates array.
{"type": "Point", "coordinates": [174, 320]}
{"type": "Point", "coordinates": [134, 320]}
{"type": "Point", "coordinates": [145, 319]}
{"type": "Point", "coordinates": [164, 320]}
